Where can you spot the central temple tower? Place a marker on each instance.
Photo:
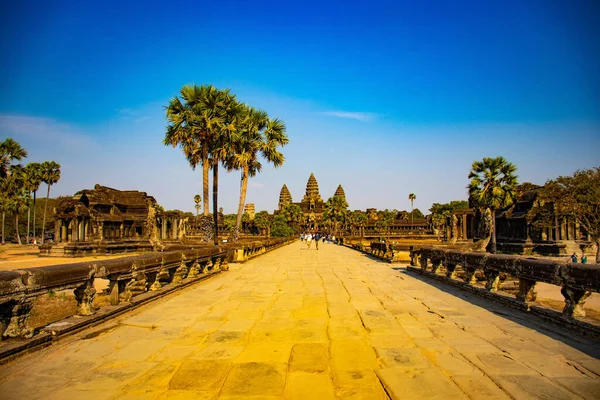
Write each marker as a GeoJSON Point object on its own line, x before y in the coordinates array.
{"type": "Point", "coordinates": [312, 201]}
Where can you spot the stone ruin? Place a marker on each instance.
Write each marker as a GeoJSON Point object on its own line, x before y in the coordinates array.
{"type": "Point", "coordinates": [106, 220]}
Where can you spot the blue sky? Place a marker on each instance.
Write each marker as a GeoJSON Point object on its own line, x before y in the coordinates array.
{"type": "Point", "coordinates": [385, 98]}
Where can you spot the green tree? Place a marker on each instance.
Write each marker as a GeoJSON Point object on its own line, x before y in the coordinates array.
{"type": "Point", "coordinates": [412, 197]}
{"type": "Point", "coordinates": [280, 228]}
{"type": "Point", "coordinates": [197, 200]}
{"type": "Point", "coordinates": [10, 151]}
{"type": "Point", "coordinates": [193, 119]}
{"type": "Point", "coordinates": [257, 135]}
{"type": "Point", "coordinates": [440, 212]}
{"type": "Point", "coordinates": [17, 195]}
{"type": "Point", "coordinates": [359, 220]}
{"type": "Point", "coordinates": [492, 186]}
{"type": "Point", "coordinates": [263, 221]}
{"type": "Point", "coordinates": [293, 215]}
{"type": "Point", "coordinates": [416, 213]}
{"type": "Point", "coordinates": [50, 175]}
{"type": "Point", "coordinates": [576, 196]}
{"type": "Point", "coordinates": [33, 173]}
{"type": "Point", "coordinates": [336, 211]}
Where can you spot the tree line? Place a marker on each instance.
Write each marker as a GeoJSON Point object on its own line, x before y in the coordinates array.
{"type": "Point", "coordinates": [19, 185]}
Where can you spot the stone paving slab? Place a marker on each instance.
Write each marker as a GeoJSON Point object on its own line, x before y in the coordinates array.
{"type": "Point", "coordinates": [307, 324]}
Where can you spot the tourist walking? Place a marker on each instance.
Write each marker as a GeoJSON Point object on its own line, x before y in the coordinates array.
{"type": "Point", "coordinates": [583, 258]}
{"type": "Point", "coordinates": [317, 238]}
{"type": "Point", "coordinates": [308, 240]}
{"type": "Point", "coordinates": [574, 258]}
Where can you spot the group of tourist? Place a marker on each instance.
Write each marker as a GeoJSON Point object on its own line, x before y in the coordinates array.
{"type": "Point", "coordinates": [583, 258]}
{"type": "Point", "coordinates": [317, 237]}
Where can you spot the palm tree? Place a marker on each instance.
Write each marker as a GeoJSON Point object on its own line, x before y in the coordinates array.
{"type": "Point", "coordinates": [197, 200]}
{"type": "Point", "coordinates": [10, 150]}
{"type": "Point", "coordinates": [50, 175]}
{"type": "Point", "coordinates": [336, 210]}
{"type": "Point", "coordinates": [492, 187]}
{"type": "Point", "coordinates": [223, 135]}
{"type": "Point", "coordinates": [17, 194]}
{"type": "Point", "coordinates": [257, 135]}
{"type": "Point", "coordinates": [412, 197]}
{"type": "Point", "coordinates": [293, 215]}
{"type": "Point", "coordinates": [33, 182]}
{"type": "Point", "coordinates": [191, 125]}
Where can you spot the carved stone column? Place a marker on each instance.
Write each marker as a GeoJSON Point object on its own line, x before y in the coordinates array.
{"type": "Point", "coordinates": [464, 226]}
{"type": "Point", "coordinates": [493, 279]}
{"type": "Point", "coordinates": [574, 301]}
{"type": "Point", "coordinates": [84, 295]}
{"type": "Point", "coordinates": [180, 273]}
{"type": "Point", "coordinates": [14, 315]}
{"type": "Point", "coordinates": [450, 271]}
{"type": "Point", "coordinates": [526, 290]}
{"type": "Point", "coordinates": [470, 276]}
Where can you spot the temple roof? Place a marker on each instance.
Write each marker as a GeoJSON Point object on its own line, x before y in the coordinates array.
{"type": "Point", "coordinates": [339, 192]}
{"type": "Point", "coordinates": [108, 196]}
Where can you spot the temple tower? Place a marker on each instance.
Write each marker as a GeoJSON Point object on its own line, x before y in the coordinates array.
{"type": "Point", "coordinates": [285, 197]}
{"type": "Point", "coordinates": [249, 209]}
{"type": "Point", "coordinates": [339, 192]}
{"type": "Point", "coordinates": [312, 190]}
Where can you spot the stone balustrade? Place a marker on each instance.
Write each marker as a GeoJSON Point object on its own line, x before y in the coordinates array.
{"type": "Point", "coordinates": [577, 281]}
{"type": "Point", "coordinates": [385, 251]}
{"type": "Point", "coordinates": [243, 251]}
{"type": "Point", "coordinates": [128, 277]}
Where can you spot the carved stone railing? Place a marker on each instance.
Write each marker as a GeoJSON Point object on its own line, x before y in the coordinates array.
{"type": "Point", "coordinates": [128, 277]}
{"type": "Point", "coordinates": [384, 251]}
{"type": "Point", "coordinates": [577, 281]}
{"type": "Point", "coordinates": [243, 251]}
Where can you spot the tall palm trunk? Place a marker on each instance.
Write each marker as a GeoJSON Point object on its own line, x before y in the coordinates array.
{"type": "Point", "coordinates": [17, 226]}
{"type": "Point", "coordinates": [34, 198]}
{"type": "Point", "coordinates": [215, 198]}
{"type": "Point", "coordinates": [28, 217]}
{"type": "Point", "coordinates": [493, 246]}
{"type": "Point", "coordinates": [205, 168]}
{"type": "Point", "coordinates": [3, 216]}
{"type": "Point", "coordinates": [44, 219]}
{"type": "Point", "coordinates": [243, 189]}
{"type": "Point", "coordinates": [597, 251]}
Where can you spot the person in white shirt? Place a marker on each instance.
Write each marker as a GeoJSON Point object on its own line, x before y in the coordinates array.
{"type": "Point", "coordinates": [308, 240]}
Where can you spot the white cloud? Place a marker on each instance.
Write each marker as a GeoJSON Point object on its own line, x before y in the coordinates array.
{"type": "Point", "coordinates": [45, 133]}
{"type": "Point", "coordinates": [359, 116]}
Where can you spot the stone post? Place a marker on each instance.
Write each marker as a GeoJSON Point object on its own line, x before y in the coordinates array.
{"type": "Point", "coordinates": [574, 301]}
{"type": "Point", "coordinates": [75, 230]}
{"type": "Point", "coordinates": [464, 226]}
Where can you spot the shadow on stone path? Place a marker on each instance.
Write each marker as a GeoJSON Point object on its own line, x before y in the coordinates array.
{"type": "Point", "coordinates": [312, 324]}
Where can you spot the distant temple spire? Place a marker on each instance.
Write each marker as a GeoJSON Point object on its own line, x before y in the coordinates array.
{"type": "Point", "coordinates": [339, 192]}
{"type": "Point", "coordinates": [285, 197]}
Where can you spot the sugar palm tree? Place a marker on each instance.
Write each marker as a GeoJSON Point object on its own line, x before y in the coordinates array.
{"type": "Point", "coordinates": [10, 150]}
{"type": "Point", "coordinates": [223, 136]}
{"type": "Point", "coordinates": [33, 181]}
{"type": "Point", "coordinates": [191, 125]}
{"type": "Point", "coordinates": [17, 194]}
{"type": "Point", "coordinates": [412, 197]}
{"type": "Point", "coordinates": [197, 200]}
{"type": "Point", "coordinates": [50, 175]}
{"type": "Point", "coordinates": [293, 214]}
{"type": "Point", "coordinates": [258, 135]}
{"type": "Point", "coordinates": [336, 210]}
{"type": "Point", "coordinates": [492, 187]}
